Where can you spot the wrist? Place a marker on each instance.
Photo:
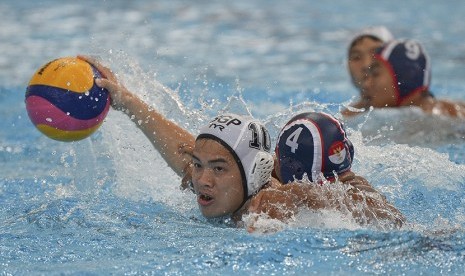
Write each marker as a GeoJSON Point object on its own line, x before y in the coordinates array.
{"type": "Point", "coordinates": [121, 100]}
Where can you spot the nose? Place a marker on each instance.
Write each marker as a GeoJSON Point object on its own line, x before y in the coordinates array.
{"type": "Point", "coordinates": [366, 80]}
{"type": "Point", "coordinates": [366, 60]}
{"type": "Point", "coordinates": [203, 177]}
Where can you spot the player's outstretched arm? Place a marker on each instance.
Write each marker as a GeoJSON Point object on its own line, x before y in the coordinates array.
{"type": "Point", "coordinates": [171, 140]}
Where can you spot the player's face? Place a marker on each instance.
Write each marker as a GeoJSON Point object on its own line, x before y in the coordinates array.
{"type": "Point", "coordinates": [216, 179]}
{"type": "Point", "coordinates": [378, 88]}
{"type": "Point", "coordinates": [361, 57]}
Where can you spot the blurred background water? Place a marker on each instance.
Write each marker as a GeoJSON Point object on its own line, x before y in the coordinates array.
{"type": "Point", "coordinates": [110, 205]}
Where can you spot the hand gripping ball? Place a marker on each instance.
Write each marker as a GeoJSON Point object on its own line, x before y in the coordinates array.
{"type": "Point", "coordinates": [63, 101]}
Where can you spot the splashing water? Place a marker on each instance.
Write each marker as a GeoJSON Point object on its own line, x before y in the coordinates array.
{"type": "Point", "coordinates": [110, 204]}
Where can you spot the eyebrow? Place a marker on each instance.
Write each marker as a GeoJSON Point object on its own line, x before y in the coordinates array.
{"type": "Point", "coordinates": [218, 160]}
{"type": "Point", "coordinates": [372, 48]}
{"type": "Point", "coordinates": [354, 51]}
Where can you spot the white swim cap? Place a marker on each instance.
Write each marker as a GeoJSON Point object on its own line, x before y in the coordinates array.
{"type": "Point", "coordinates": [379, 32]}
{"type": "Point", "coordinates": [249, 142]}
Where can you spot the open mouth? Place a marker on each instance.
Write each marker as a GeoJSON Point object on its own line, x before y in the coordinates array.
{"type": "Point", "coordinates": [204, 199]}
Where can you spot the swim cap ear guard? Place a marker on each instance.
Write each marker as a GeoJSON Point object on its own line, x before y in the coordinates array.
{"type": "Point", "coordinates": [249, 142]}
{"type": "Point", "coordinates": [409, 66]}
{"type": "Point", "coordinates": [313, 143]}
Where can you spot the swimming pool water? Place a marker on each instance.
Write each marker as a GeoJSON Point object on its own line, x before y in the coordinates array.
{"type": "Point", "coordinates": [110, 205]}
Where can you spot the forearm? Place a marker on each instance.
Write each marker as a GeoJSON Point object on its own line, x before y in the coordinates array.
{"type": "Point", "coordinates": [367, 206]}
{"type": "Point", "coordinates": [372, 207]}
{"type": "Point", "coordinates": [283, 201]}
{"type": "Point", "coordinates": [166, 136]}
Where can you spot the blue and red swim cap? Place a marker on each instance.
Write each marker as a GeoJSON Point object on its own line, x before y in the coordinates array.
{"type": "Point", "coordinates": [409, 66]}
{"type": "Point", "coordinates": [313, 143]}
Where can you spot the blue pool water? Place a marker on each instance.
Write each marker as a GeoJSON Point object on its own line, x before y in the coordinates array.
{"type": "Point", "coordinates": [110, 205]}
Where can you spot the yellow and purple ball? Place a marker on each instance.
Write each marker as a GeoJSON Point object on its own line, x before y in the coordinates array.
{"type": "Point", "coordinates": [63, 101]}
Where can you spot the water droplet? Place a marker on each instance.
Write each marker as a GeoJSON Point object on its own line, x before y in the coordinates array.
{"type": "Point", "coordinates": [49, 120]}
